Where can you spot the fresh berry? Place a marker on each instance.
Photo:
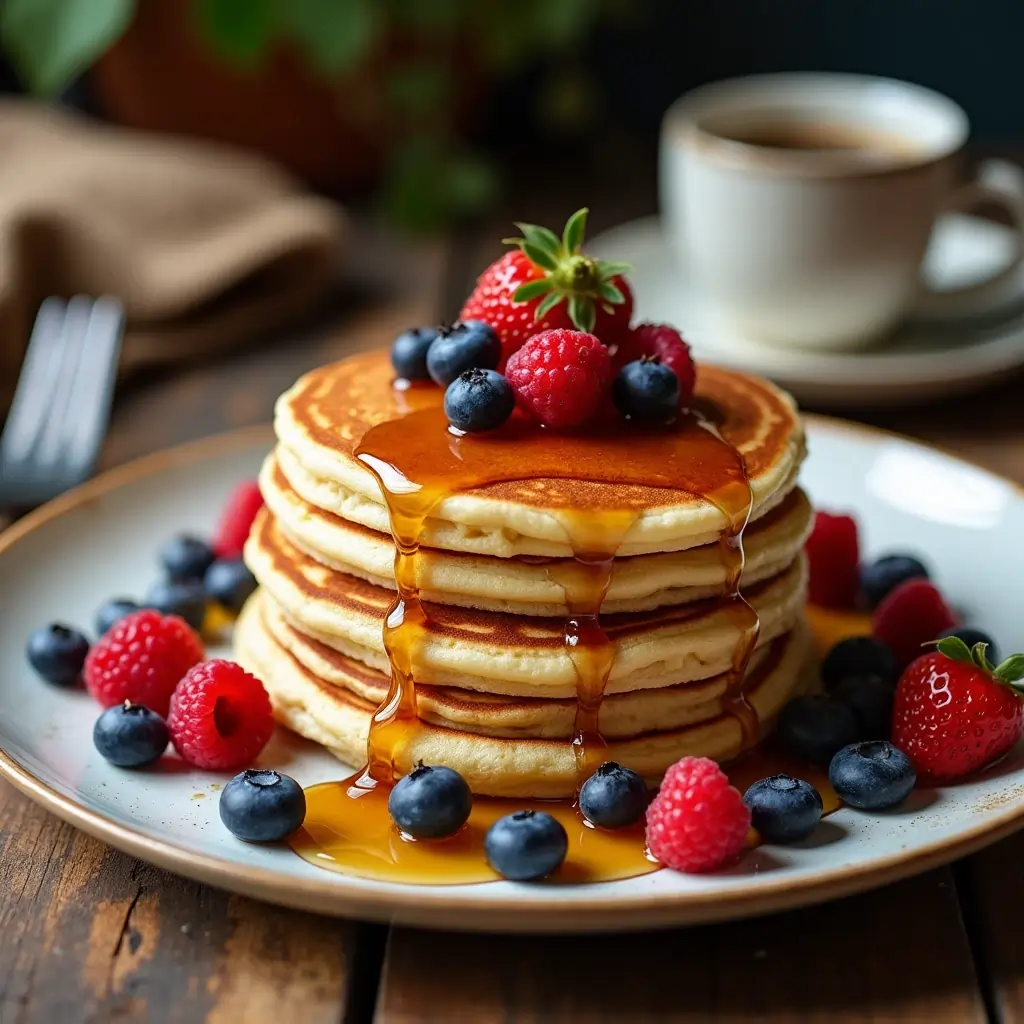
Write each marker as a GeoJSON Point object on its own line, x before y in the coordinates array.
{"type": "Point", "coordinates": [409, 352]}
{"type": "Point", "coordinates": [230, 583]}
{"type": "Point", "coordinates": [856, 655]}
{"type": "Point", "coordinates": [697, 822]}
{"type": "Point", "coordinates": [872, 776]}
{"type": "Point", "coordinates": [880, 578]}
{"type": "Point", "coordinates": [647, 392]}
{"type": "Point", "coordinates": [783, 809]}
{"type": "Point", "coordinates": [526, 845]}
{"type": "Point", "coordinates": [186, 558]}
{"type": "Point", "coordinates": [973, 636]}
{"type": "Point", "coordinates": [813, 727]}
{"type": "Point", "coordinates": [547, 283]}
{"type": "Point", "coordinates": [613, 796]}
{"type": "Point", "coordinates": [142, 659]}
{"type": "Point", "coordinates": [955, 713]}
{"type": "Point", "coordinates": [129, 735]}
{"type": "Point", "coordinates": [560, 377]}
{"type": "Point", "coordinates": [469, 345]}
{"type": "Point", "coordinates": [431, 802]}
{"type": "Point", "coordinates": [236, 520]}
{"type": "Point", "coordinates": [262, 806]}
{"type": "Point", "coordinates": [870, 699]}
{"type": "Point", "coordinates": [833, 556]}
{"type": "Point", "coordinates": [114, 611]}
{"type": "Point", "coordinates": [57, 653]}
{"type": "Point", "coordinates": [220, 716]}
{"type": "Point", "coordinates": [186, 600]}
{"type": "Point", "coordinates": [479, 400]}
{"type": "Point", "coordinates": [666, 345]}
{"type": "Point", "coordinates": [914, 614]}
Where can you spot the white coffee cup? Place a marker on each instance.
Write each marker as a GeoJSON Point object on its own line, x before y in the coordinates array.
{"type": "Point", "coordinates": [802, 204]}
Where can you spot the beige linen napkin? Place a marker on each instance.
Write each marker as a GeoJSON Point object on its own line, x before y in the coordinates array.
{"type": "Point", "coordinates": [205, 246]}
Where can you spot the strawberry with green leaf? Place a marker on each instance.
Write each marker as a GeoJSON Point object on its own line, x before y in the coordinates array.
{"type": "Point", "coordinates": [548, 283]}
{"type": "Point", "coordinates": [955, 712]}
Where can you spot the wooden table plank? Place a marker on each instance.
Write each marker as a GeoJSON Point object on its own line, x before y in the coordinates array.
{"type": "Point", "coordinates": [853, 960]}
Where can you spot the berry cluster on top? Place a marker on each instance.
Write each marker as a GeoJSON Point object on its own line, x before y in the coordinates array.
{"type": "Point", "coordinates": [548, 329]}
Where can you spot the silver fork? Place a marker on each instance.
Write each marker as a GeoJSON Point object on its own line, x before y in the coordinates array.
{"type": "Point", "coordinates": [59, 414]}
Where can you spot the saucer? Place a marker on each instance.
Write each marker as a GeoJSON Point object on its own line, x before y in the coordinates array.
{"type": "Point", "coordinates": [922, 360]}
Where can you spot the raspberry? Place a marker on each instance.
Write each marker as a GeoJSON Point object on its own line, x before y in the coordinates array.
{"type": "Point", "coordinates": [697, 822]}
{"type": "Point", "coordinates": [220, 716]}
{"type": "Point", "coordinates": [560, 377]}
{"type": "Point", "coordinates": [912, 615]}
{"type": "Point", "coordinates": [833, 555]}
{"type": "Point", "coordinates": [667, 345]}
{"type": "Point", "coordinates": [142, 659]}
{"type": "Point", "coordinates": [236, 520]}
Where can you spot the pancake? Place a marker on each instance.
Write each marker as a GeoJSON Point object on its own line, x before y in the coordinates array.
{"type": "Point", "coordinates": [622, 714]}
{"type": "Point", "coordinates": [321, 420]}
{"type": "Point", "coordinates": [498, 653]}
{"type": "Point", "coordinates": [339, 720]}
{"type": "Point", "coordinates": [533, 586]}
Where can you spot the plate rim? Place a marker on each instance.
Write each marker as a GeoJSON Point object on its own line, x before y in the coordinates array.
{"type": "Point", "coordinates": [423, 905]}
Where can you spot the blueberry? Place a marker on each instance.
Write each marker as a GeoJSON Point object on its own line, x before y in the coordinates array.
{"type": "Point", "coordinates": [57, 652]}
{"type": "Point", "coordinates": [526, 845]}
{"type": "Point", "coordinates": [472, 345]}
{"type": "Point", "coordinates": [647, 391]}
{"type": "Point", "coordinates": [613, 796]}
{"type": "Point", "coordinates": [431, 802]}
{"type": "Point", "coordinates": [856, 655]}
{"type": "Point", "coordinates": [409, 352]}
{"type": "Point", "coordinates": [479, 400]}
{"type": "Point", "coordinates": [262, 806]}
{"type": "Point", "coordinates": [185, 599]}
{"type": "Point", "coordinates": [879, 578]}
{"type": "Point", "coordinates": [186, 558]}
{"type": "Point", "coordinates": [229, 583]}
{"type": "Point", "coordinates": [870, 698]}
{"type": "Point", "coordinates": [783, 809]}
{"type": "Point", "coordinates": [130, 735]}
{"type": "Point", "coordinates": [971, 636]}
{"type": "Point", "coordinates": [872, 776]}
{"type": "Point", "coordinates": [815, 726]}
{"type": "Point", "coordinates": [112, 612]}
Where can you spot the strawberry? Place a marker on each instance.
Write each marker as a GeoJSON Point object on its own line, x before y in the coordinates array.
{"type": "Point", "coordinates": [547, 283]}
{"type": "Point", "coordinates": [954, 713]}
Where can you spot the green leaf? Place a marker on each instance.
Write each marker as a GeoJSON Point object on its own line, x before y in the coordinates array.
{"type": "Point", "coordinates": [953, 647]}
{"type": "Point", "coordinates": [582, 313]}
{"type": "Point", "coordinates": [532, 290]}
{"type": "Point", "coordinates": [336, 35]}
{"type": "Point", "coordinates": [237, 30]}
{"type": "Point", "coordinates": [1011, 670]}
{"type": "Point", "coordinates": [50, 42]}
{"type": "Point", "coordinates": [547, 305]}
{"type": "Point", "coordinates": [575, 229]}
{"type": "Point", "coordinates": [471, 184]}
{"type": "Point", "coordinates": [613, 268]}
{"type": "Point", "coordinates": [540, 256]}
{"type": "Point", "coordinates": [612, 294]}
{"type": "Point", "coordinates": [542, 238]}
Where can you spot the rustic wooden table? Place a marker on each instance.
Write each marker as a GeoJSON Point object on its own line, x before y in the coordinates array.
{"type": "Point", "coordinates": [88, 934]}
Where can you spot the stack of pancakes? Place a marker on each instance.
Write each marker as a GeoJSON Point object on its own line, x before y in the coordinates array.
{"type": "Point", "coordinates": [496, 687]}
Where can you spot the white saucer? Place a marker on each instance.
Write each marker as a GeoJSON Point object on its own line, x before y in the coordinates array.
{"type": "Point", "coordinates": [921, 361]}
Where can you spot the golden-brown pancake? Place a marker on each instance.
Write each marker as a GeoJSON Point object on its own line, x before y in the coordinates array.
{"type": "Point", "coordinates": [498, 653]}
{"type": "Point", "coordinates": [323, 418]}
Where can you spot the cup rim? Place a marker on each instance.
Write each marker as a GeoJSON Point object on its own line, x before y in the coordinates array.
{"type": "Point", "coordinates": [684, 122]}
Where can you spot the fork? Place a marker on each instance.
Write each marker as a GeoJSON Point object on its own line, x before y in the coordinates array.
{"type": "Point", "coordinates": [59, 414]}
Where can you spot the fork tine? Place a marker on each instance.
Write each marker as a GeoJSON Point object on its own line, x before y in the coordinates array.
{"type": "Point", "coordinates": [36, 385]}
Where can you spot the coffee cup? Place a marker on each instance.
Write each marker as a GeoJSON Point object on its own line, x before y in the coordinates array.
{"type": "Point", "coordinates": [801, 204]}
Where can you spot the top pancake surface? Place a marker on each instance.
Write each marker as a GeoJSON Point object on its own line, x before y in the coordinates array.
{"type": "Point", "coordinates": [323, 418]}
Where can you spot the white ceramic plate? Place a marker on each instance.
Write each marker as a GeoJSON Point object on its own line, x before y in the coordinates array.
{"type": "Point", "coordinates": [99, 542]}
{"type": "Point", "coordinates": [921, 361]}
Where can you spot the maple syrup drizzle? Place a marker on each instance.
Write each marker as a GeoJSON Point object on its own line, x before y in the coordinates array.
{"type": "Point", "coordinates": [418, 463]}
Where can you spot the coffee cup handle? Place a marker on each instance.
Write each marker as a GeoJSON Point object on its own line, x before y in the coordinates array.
{"type": "Point", "coordinates": [999, 183]}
